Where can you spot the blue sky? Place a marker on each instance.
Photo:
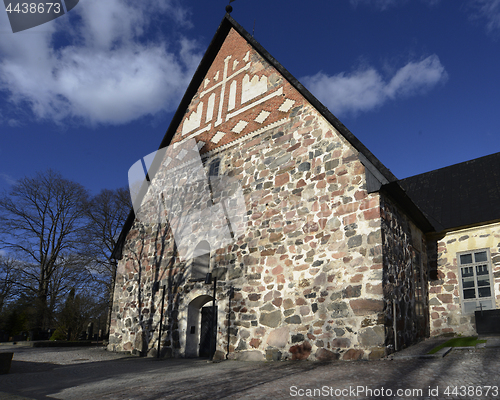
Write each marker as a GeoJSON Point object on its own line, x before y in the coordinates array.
{"type": "Point", "coordinates": [91, 92]}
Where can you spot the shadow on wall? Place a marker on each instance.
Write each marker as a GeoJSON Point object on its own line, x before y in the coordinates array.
{"type": "Point", "coordinates": [153, 255]}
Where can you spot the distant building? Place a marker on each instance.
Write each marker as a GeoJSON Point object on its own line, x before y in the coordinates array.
{"type": "Point", "coordinates": [339, 259]}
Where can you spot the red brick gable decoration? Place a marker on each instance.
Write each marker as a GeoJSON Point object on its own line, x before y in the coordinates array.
{"type": "Point", "coordinates": [240, 97]}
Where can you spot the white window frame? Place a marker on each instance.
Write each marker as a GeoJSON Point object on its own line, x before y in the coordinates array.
{"type": "Point", "coordinates": [486, 302]}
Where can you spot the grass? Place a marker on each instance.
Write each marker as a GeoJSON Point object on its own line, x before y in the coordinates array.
{"type": "Point", "coordinates": [471, 341]}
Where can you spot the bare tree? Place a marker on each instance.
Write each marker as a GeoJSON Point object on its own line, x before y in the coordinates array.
{"type": "Point", "coordinates": [9, 273]}
{"type": "Point", "coordinates": [106, 213]}
{"type": "Point", "coordinates": [42, 221]}
{"type": "Point", "coordinates": [72, 273]}
{"type": "Point", "coordinates": [80, 307]}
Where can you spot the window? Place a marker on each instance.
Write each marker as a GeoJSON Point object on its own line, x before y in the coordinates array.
{"type": "Point", "coordinates": [476, 281]}
{"type": "Point", "coordinates": [200, 265]}
{"type": "Point", "coordinates": [214, 168]}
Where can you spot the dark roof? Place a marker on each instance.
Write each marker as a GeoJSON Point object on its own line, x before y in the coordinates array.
{"type": "Point", "coordinates": [460, 195]}
{"type": "Point", "coordinates": [405, 203]}
{"type": "Point", "coordinates": [227, 23]}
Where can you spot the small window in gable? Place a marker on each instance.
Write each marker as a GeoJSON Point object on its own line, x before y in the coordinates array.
{"type": "Point", "coordinates": [476, 281]}
{"type": "Point", "coordinates": [214, 168]}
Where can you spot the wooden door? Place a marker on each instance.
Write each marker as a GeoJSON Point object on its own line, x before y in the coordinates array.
{"type": "Point", "coordinates": [207, 331]}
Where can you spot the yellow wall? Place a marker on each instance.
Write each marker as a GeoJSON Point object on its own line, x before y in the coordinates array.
{"type": "Point", "coordinates": [444, 293]}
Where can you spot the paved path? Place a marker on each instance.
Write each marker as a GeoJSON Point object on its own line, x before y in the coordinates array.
{"type": "Point", "coordinates": [94, 373]}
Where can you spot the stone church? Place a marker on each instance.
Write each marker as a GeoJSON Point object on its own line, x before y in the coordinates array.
{"type": "Point", "coordinates": [336, 258]}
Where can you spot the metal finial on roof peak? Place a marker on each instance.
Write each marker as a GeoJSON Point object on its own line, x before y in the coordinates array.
{"type": "Point", "coordinates": [229, 9]}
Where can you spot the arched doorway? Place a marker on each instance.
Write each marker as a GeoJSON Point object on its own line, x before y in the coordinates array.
{"type": "Point", "coordinates": [200, 319]}
{"type": "Point", "coordinates": [199, 327]}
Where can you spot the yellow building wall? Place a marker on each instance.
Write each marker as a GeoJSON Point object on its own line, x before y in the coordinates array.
{"type": "Point", "coordinates": [446, 314]}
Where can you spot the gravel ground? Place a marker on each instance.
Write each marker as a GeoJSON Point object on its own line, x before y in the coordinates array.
{"type": "Point", "coordinates": [94, 373]}
{"type": "Point", "coordinates": [50, 357]}
{"type": "Point", "coordinates": [78, 355]}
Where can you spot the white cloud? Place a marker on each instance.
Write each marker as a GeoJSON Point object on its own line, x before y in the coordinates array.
{"type": "Point", "coordinates": [7, 178]}
{"type": "Point", "coordinates": [14, 123]}
{"type": "Point", "coordinates": [488, 10]}
{"type": "Point", "coordinates": [115, 69]}
{"type": "Point", "coordinates": [384, 4]}
{"type": "Point", "coordinates": [366, 89]}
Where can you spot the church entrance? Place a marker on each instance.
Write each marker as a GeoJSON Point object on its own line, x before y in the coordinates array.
{"type": "Point", "coordinates": [207, 337]}
{"type": "Point", "coordinates": [199, 326]}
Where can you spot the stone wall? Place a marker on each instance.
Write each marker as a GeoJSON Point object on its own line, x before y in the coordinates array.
{"type": "Point", "coordinates": [444, 290]}
{"type": "Point", "coordinates": [311, 266]}
{"type": "Point", "coordinates": [307, 274]}
{"type": "Point", "coordinates": [405, 278]}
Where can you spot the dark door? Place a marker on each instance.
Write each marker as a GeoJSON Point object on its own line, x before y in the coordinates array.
{"type": "Point", "coordinates": [207, 331]}
{"type": "Point", "coordinates": [421, 297]}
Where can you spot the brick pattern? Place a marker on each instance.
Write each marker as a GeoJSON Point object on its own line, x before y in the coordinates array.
{"type": "Point", "coordinates": [241, 96]}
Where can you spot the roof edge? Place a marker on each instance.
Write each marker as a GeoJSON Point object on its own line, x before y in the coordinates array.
{"type": "Point", "coordinates": [196, 81]}
{"type": "Point", "coordinates": [478, 159]}
{"type": "Point", "coordinates": [218, 39]}
{"type": "Point", "coordinates": [398, 194]}
{"type": "Point", "coordinates": [465, 227]}
{"type": "Point", "coordinates": [323, 110]}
